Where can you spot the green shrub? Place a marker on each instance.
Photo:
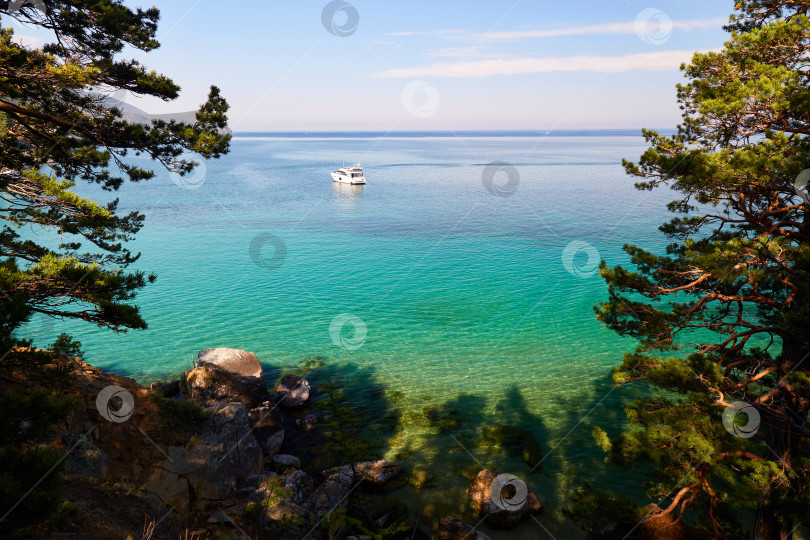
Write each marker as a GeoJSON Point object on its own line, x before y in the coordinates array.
{"type": "Point", "coordinates": [65, 345]}
{"type": "Point", "coordinates": [20, 470]}
{"type": "Point", "coordinates": [179, 413]}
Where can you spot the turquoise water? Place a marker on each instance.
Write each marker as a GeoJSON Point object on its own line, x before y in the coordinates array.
{"type": "Point", "coordinates": [478, 303]}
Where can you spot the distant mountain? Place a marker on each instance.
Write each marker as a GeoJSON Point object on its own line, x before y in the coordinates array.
{"type": "Point", "coordinates": [135, 115]}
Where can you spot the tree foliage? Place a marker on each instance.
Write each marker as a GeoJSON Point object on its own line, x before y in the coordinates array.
{"type": "Point", "coordinates": [57, 128]}
{"type": "Point", "coordinates": [722, 316]}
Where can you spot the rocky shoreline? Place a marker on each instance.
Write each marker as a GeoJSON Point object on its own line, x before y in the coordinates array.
{"type": "Point", "coordinates": [205, 454]}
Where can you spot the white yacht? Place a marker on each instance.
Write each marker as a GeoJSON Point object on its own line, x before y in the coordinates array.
{"type": "Point", "coordinates": [349, 175]}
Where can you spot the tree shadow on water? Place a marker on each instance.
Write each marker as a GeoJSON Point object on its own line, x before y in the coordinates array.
{"type": "Point", "coordinates": [348, 418]}
{"type": "Point", "coordinates": [443, 443]}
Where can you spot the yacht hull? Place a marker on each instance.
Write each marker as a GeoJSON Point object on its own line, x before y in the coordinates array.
{"type": "Point", "coordinates": [344, 179]}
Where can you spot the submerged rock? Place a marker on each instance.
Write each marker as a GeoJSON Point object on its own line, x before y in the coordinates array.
{"type": "Point", "coordinates": [292, 391]}
{"type": "Point", "coordinates": [234, 361]}
{"type": "Point", "coordinates": [420, 478]}
{"type": "Point", "coordinates": [503, 500]}
{"type": "Point", "coordinates": [378, 472]}
{"type": "Point", "coordinates": [445, 419]}
{"type": "Point", "coordinates": [516, 441]}
{"type": "Point", "coordinates": [450, 528]}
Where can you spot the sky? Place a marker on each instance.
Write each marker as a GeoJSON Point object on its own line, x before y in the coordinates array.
{"type": "Point", "coordinates": [453, 65]}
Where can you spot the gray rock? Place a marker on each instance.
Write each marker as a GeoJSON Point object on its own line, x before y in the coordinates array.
{"type": "Point", "coordinates": [292, 391]}
{"type": "Point", "coordinates": [268, 428]}
{"type": "Point", "coordinates": [450, 528]}
{"type": "Point", "coordinates": [235, 361]}
{"type": "Point", "coordinates": [286, 461]}
{"type": "Point", "coordinates": [378, 472]}
{"type": "Point", "coordinates": [273, 443]}
{"type": "Point", "coordinates": [300, 486]}
{"type": "Point", "coordinates": [209, 385]}
{"type": "Point", "coordinates": [84, 458]}
{"type": "Point", "coordinates": [330, 495]}
{"type": "Point", "coordinates": [287, 521]}
{"type": "Point", "coordinates": [270, 487]}
{"type": "Point", "coordinates": [220, 458]}
{"type": "Point", "coordinates": [220, 517]}
{"type": "Point", "coordinates": [255, 480]}
{"type": "Point", "coordinates": [168, 389]}
{"type": "Point", "coordinates": [307, 422]}
{"type": "Point", "coordinates": [170, 489]}
{"type": "Point", "coordinates": [515, 501]}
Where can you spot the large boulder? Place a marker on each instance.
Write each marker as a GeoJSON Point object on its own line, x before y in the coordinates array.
{"type": "Point", "coordinates": [503, 500]}
{"type": "Point", "coordinates": [450, 528]}
{"type": "Point", "coordinates": [209, 385]}
{"type": "Point", "coordinates": [292, 391]}
{"type": "Point", "coordinates": [331, 495]}
{"type": "Point", "coordinates": [170, 489]}
{"type": "Point", "coordinates": [285, 520]}
{"type": "Point", "coordinates": [284, 517]}
{"type": "Point", "coordinates": [216, 463]}
{"type": "Point", "coordinates": [235, 361]}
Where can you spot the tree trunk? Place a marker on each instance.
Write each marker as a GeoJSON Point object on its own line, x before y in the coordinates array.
{"type": "Point", "coordinates": [785, 441]}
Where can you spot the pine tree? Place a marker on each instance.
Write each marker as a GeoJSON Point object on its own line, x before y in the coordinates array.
{"type": "Point", "coordinates": [722, 318]}
{"type": "Point", "coordinates": [58, 128]}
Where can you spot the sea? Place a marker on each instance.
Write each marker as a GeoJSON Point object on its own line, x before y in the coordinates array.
{"type": "Point", "coordinates": [453, 292]}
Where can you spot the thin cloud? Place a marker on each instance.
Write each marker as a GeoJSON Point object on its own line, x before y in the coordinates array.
{"type": "Point", "coordinates": [598, 29]}
{"type": "Point", "coordinates": [457, 52]}
{"type": "Point", "coordinates": [440, 32]}
{"type": "Point", "coordinates": [595, 30]}
{"type": "Point", "coordinates": [651, 61]}
{"type": "Point", "coordinates": [27, 41]}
